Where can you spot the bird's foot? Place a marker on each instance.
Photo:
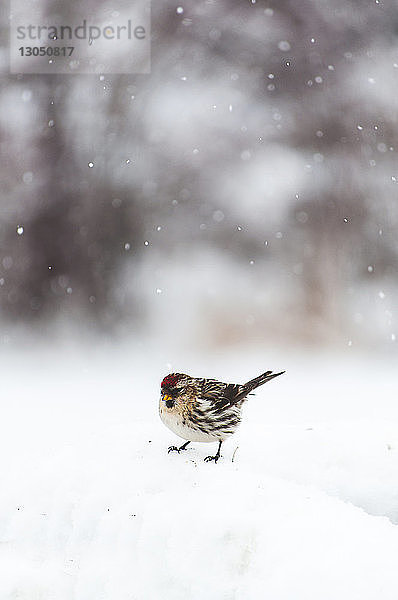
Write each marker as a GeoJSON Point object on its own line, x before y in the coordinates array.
{"type": "Point", "coordinates": [217, 455]}
{"type": "Point", "coordinates": [210, 458]}
{"type": "Point", "coordinates": [175, 449]}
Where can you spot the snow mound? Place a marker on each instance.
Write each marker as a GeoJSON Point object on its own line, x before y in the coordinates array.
{"type": "Point", "coordinates": [93, 507]}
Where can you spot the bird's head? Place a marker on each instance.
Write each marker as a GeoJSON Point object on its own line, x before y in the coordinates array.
{"type": "Point", "coordinates": [172, 387]}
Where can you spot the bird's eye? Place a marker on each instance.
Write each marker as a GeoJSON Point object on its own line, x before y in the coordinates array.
{"type": "Point", "coordinates": [173, 393]}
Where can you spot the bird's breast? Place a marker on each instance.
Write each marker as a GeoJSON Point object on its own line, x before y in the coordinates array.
{"type": "Point", "coordinates": [181, 425]}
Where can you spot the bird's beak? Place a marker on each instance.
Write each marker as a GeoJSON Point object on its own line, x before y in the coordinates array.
{"type": "Point", "coordinates": [167, 398]}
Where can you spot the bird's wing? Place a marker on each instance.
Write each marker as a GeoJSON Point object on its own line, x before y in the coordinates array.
{"type": "Point", "coordinates": [222, 395]}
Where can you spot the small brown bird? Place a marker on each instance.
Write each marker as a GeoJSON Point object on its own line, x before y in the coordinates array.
{"type": "Point", "coordinates": [204, 410]}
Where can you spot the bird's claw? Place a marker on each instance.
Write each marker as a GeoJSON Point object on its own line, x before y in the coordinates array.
{"type": "Point", "coordinates": [175, 449]}
{"type": "Point", "coordinates": [210, 458]}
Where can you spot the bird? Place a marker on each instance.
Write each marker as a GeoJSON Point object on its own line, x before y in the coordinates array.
{"type": "Point", "coordinates": [204, 410]}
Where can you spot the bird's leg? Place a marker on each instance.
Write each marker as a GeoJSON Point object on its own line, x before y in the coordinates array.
{"type": "Point", "coordinates": [216, 457]}
{"type": "Point", "coordinates": [175, 449]}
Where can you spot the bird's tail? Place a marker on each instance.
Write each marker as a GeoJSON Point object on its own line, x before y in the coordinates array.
{"type": "Point", "coordinates": [260, 380]}
{"type": "Point", "coordinates": [240, 392]}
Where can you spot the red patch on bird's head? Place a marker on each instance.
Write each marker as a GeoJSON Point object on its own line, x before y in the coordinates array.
{"type": "Point", "coordinates": [170, 381]}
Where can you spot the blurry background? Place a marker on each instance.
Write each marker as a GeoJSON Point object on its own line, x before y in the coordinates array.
{"type": "Point", "coordinates": [244, 192]}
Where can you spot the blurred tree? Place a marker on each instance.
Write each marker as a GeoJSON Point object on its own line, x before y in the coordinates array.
{"type": "Point", "coordinates": [277, 118]}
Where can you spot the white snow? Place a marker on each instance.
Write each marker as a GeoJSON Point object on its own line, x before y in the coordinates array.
{"type": "Point", "coordinates": [92, 506]}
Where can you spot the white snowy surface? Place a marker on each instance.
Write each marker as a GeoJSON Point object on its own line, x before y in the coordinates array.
{"type": "Point", "coordinates": [93, 508]}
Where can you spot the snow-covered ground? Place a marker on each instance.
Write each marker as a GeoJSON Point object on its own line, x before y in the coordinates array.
{"type": "Point", "coordinates": [93, 508]}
